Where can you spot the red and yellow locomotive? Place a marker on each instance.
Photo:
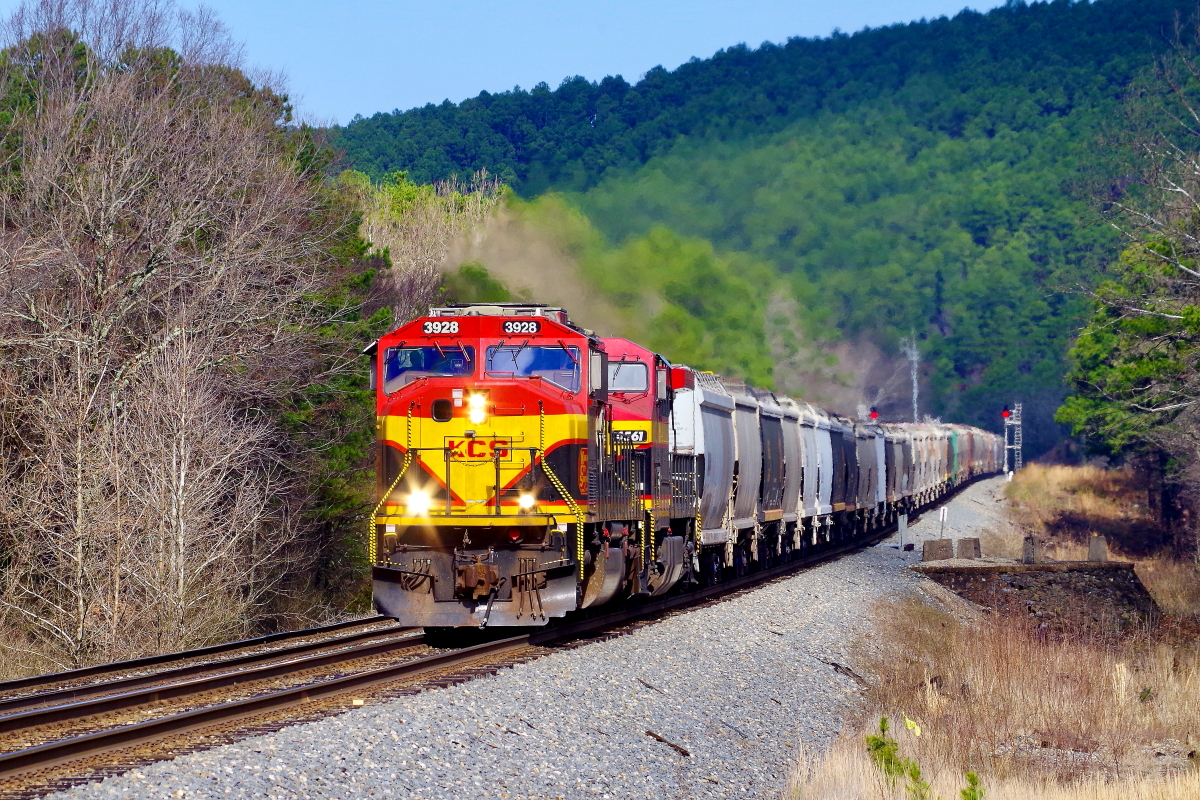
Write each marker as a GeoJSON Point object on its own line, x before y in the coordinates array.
{"type": "Point", "coordinates": [509, 493]}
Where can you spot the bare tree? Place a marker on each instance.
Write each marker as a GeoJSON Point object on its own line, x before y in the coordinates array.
{"type": "Point", "coordinates": [203, 500]}
{"type": "Point", "coordinates": [417, 225]}
{"type": "Point", "coordinates": [163, 252]}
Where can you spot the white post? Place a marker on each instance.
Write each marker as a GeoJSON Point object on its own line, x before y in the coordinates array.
{"type": "Point", "coordinates": [1006, 445]}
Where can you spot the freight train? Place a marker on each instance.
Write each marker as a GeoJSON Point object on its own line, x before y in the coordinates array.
{"type": "Point", "coordinates": [528, 468]}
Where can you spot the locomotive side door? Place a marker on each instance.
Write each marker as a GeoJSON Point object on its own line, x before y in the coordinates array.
{"type": "Point", "coordinates": [660, 452]}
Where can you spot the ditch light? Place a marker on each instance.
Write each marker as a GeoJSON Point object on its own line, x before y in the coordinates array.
{"type": "Point", "coordinates": [418, 504]}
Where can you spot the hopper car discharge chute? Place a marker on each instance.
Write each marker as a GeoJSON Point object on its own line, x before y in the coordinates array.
{"type": "Point", "coordinates": [528, 469]}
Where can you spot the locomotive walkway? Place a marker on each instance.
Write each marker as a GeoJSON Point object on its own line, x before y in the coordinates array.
{"type": "Point", "coordinates": [716, 701]}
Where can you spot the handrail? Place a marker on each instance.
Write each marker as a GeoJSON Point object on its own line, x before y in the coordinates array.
{"type": "Point", "coordinates": [561, 489]}
{"type": "Point", "coordinates": [372, 550]}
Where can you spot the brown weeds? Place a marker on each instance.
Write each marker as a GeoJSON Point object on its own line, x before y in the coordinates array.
{"type": "Point", "coordinates": [1174, 585]}
{"type": "Point", "coordinates": [1025, 710]}
{"type": "Point", "coordinates": [1064, 505]}
{"type": "Point", "coordinates": [846, 773]}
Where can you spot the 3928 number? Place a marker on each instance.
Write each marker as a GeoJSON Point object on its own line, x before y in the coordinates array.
{"type": "Point", "coordinates": [440, 326]}
{"type": "Point", "coordinates": [521, 326]}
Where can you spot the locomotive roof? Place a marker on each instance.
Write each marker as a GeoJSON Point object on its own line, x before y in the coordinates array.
{"type": "Point", "coordinates": [499, 310]}
{"type": "Point", "coordinates": [552, 313]}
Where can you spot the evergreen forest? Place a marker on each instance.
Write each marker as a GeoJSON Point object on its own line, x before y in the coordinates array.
{"type": "Point", "coordinates": [925, 180]}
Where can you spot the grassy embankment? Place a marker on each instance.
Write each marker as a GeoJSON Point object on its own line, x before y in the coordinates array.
{"type": "Point", "coordinates": [1052, 718]}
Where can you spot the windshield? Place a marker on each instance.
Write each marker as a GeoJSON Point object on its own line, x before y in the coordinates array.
{"type": "Point", "coordinates": [402, 365]}
{"type": "Point", "coordinates": [557, 364]}
{"type": "Point", "coordinates": [627, 376]}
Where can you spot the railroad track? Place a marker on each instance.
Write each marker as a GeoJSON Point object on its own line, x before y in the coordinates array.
{"type": "Point", "coordinates": [261, 643]}
{"type": "Point", "coordinates": [68, 728]}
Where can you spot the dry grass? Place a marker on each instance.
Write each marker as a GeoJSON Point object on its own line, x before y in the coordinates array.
{"type": "Point", "coordinates": [1035, 717]}
{"type": "Point", "coordinates": [1001, 542]}
{"type": "Point", "coordinates": [1064, 505]}
{"type": "Point", "coordinates": [1174, 585]}
{"type": "Point", "coordinates": [1103, 495]}
{"type": "Point", "coordinates": [846, 773]}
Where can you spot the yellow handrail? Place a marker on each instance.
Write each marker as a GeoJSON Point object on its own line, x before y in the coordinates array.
{"type": "Point", "coordinates": [575, 509]}
{"type": "Point", "coordinates": [371, 549]}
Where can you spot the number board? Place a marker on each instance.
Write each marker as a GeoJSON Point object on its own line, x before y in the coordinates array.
{"type": "Point", "coordinates": [439, 326]}
{"type": "Point", "coordinates": [521, 326]}
{"type": "Point", "coordinates": [633, 437]}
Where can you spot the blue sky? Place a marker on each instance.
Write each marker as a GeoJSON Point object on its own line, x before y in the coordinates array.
{"type": "Point", "coordinates": [349, 57]}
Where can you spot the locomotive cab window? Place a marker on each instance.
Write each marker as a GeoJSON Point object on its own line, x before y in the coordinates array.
{"type": "Point", "coordinates": [627, 376]}
{"type": "Point", "coordinates": [557, 364]}
{"type": "Point", "coordinates": [403, 365]}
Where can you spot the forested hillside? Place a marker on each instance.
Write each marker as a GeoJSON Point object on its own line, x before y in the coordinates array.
{"type": "Point", "coordinates": [919, 178]}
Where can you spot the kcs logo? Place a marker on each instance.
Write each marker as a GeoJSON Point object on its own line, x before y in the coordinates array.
{"type": "Point", "coordinates": [479, 449]}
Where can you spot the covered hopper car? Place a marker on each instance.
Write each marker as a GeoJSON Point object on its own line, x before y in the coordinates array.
{"type": "Point", "coordinates": [528, 468]}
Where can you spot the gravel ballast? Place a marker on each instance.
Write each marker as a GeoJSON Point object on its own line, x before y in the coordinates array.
{"type": "Point", "coordinates": [741, 686]}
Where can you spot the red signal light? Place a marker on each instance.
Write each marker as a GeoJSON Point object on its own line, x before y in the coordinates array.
{"type": "Point", "coordinates": [874, 413]}
{"type": "Point", "coordinates": [514, 534]}
{"type": "Point", "coordinates": [1006, 413]}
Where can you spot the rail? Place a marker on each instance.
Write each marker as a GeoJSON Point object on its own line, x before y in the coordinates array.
{"type": "Point", "coordinates": [289, 659]}
{"type": "Point", "coordinates": [182, 655]}
{"type": "Point", "coordinates": [60, 752]}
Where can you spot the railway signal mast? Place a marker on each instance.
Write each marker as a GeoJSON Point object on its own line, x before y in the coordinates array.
{"type": "Point", "coordinates": [1016, 441]}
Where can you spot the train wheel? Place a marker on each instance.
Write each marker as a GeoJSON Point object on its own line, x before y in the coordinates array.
{"type": "Point", "coordinates": [712, 567]}
{"type": "Point", "coordinates": [741, 561]}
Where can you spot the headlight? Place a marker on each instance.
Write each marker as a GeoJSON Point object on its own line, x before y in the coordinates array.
{"type": "Point", "coordinates": [477, 401]}
{"type": "Point", "coordinates": [526, 501]}
{"type": "Point", "coordinates": [476, 415]}
{"type": "Point", "coordinates": [418, 504]}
